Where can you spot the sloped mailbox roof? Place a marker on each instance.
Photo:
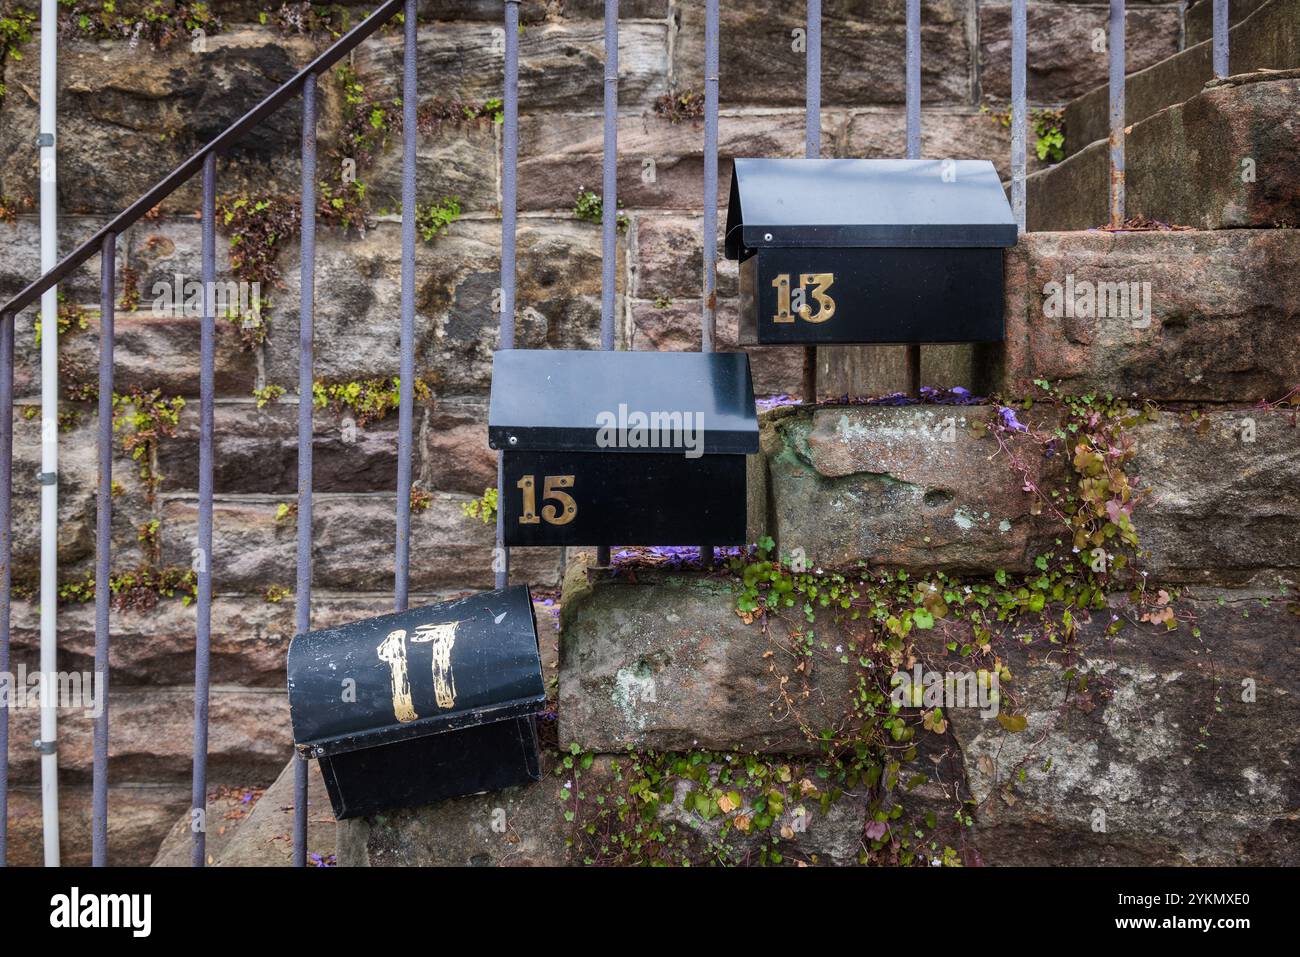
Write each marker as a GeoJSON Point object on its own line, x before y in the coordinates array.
{"type": "Point", "coordinates": [866, 202]}
{"type": "Point", "coordinates": [550, 399]}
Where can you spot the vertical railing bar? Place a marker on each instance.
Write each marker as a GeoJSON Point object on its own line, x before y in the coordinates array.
{"type": "Point", "coordinates": [709, 320]}
{"type": "Point", "coordinates": [1115, 46]}
{"type": "Point", "coordinates": [509, 222]}
{"type": "Point", "coordinates": [1220, 37]}
{"type": "Point", "coordinates": [6, 553]}
{"type": "Point", "coordinates": [103, 551]}
{"type": "Point", "coordinates": [609, 174]}
{"type": "Point", "coordinates": [306, 374]}
{"type": "Point", "coordinates": [709, 316]}
{"type": "Point", "coordinates": [812, 145]}
{"type": "Point", "coordinates": [406, 414]}
{"type": "Point", "coordinates": [609, 199]}
{"type": "Point", "coordinates": [203, 634]}
{"type": "Point", "coordinates": [913, 68]}
{"type": "Point", "coordinates": [1019, 110]}
{"type": "Point", "coordinates": [913, 97]}
{"type": "Point", "coordinates": [812, 137]}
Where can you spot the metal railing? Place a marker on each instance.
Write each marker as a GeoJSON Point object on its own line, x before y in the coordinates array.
{"type": "Point", "coordinates": [103, 242]}
{"type": "Point", "coordinates": [305, 83]}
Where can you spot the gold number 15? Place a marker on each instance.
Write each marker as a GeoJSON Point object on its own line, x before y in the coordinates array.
{"type": "Point", "coordinates": [552, 486]}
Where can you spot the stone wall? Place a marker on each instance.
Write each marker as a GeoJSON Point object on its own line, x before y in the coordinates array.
{"type": "Point", "coordinates": [130, 113]}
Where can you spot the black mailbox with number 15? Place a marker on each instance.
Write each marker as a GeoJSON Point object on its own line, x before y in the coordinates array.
{"type": "Point", "coordinates": [868, 251]}
{"type": "Point", "coordinates": [622, 448]}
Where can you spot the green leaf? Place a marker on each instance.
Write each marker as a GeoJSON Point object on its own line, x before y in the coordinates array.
{"type": "Point", "coordinates": [1013, 723]}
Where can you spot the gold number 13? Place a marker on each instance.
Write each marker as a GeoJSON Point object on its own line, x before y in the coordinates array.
{"type": "Point", "coordinates": [552, 488]}
{"type": "Point", "coordinates": [820, 281]}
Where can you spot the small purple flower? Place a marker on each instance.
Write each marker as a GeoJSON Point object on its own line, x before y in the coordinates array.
{"type": "Point", "coordinates": [1009, 420]}
{"type": "Point", "coordinates": [775, 402]}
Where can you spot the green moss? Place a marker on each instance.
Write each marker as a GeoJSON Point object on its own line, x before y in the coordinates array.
{"type": "Point", "coordinates": [369, 400]}
{"type": "Point", "coordinates": [590, 208]}
{"type": "Point", "coordinates": [432, 219]}
{"type": "Point", "coordinates": [138, 590]}
{"type": "Point", "coordinates": [484, 508]}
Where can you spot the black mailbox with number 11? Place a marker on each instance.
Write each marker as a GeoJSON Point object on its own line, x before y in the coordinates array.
{"type": "Point", "coordinates": [622, 448]}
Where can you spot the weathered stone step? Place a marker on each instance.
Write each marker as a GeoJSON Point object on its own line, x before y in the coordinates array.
{"type": "Point", "coordinates": [1221, 329]}
{"type": "Point", "coordinates": [254, 828]}
{"type": "Point", "coordinates": [1152, 745]}
{"type": "Point", "coordinates": [1264, 36]}
{"type": "Point", "coordinates": [1198, 21]}
{"type": "Point", "coordinates": [150, 731]}
{"type": "Point", "coordinates": [140, 815]}
{"type": "Point", "coordinates": [928, 488]}
{"type": "Point", "coordinates": [1224, 158]}
{"type": "Point", "coordinates": [153, 646]}
{"type": "Point", "coordinates": [546, 824]}
{"type": "Point", "coordinates": [227, 808]}
{"type": "Point", "coordinates": [1213, 317]}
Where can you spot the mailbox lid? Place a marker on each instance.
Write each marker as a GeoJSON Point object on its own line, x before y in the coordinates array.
{"type": "Point", "coordinates": [861, 202]}
{"type": "Point", "coordinates": [553, 400]}
{"type": "Point", "coordinates": [466, 663]}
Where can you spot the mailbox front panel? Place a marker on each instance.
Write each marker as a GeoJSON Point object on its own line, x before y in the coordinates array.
{"type": "Point", "coordinates": [451, 764]}
{"type": "Point", "coordinates": [623, 498]}
{"type": "Point", "coordinates": [795, 295]}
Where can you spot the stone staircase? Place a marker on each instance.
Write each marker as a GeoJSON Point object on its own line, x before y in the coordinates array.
{"type": "Point", "coordinates": [254, 827]}
{"type": "Point", "coordinates": [724, 717]}
{"type": "Point", "coordinates": [1263, 35]}
{"type": "Point", "coordinates": [1147, 712]}
{"type": "Point", "coordinates": [1200, 151]}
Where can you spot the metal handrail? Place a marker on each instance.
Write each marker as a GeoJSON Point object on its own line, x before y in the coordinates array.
{"type": "Point", "coordinates": [223, 141]}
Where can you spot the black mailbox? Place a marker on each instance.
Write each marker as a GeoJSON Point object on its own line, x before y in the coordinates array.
{"type": "Point", "coordinates": [421, 705]}
{"type": "Point", "coordinates": [622, 448]}
{"type": "Point", "coordinates": [868, 251]}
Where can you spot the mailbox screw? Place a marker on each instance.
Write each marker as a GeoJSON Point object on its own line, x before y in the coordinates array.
{"type": "Point", "coordinates": [513, 440]}
{"type": "Point", "coordinates": [767, 237]}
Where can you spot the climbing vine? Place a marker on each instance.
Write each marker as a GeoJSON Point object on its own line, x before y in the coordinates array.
{"type": "Point", "coordinates": [369, 400]}
{"type": "Point", "coordinates": [733, 808]}
{"type": "Point", "coordinates": [15, 30]}
{"type": "Point", "coordinates": [159, 22]}
{"type": "Point", "coordinates": [1049, 130]}
{"type": "Point", "coordinates": [483, 508]}
{"type": "Point", "coordinates": [138, 590]}
{"type": "Point", "coordinates": [680, 105]}
{"type": "Point", "coordinates": [432, 219]}
{"type": "Point", "coordinates": [590, 208]}
{"type": "Point", "coordinates": [143, 417]}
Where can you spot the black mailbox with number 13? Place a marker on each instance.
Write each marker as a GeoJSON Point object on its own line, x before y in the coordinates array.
{"type": "Point", "coordinates": [868, 251]}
